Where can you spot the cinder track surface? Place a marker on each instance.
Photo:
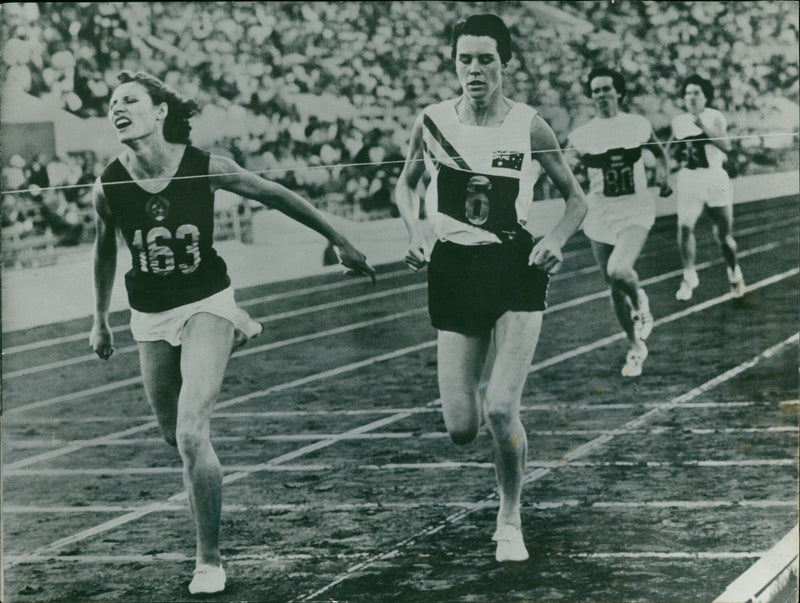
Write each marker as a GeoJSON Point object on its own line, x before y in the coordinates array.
{"type": "Point", "coordinates": [342, 485]}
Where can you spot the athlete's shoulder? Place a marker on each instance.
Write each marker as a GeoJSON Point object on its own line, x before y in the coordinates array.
{"type": "Point", "coordinates": [440, 109]}
{"type": "Point", "coordinates": [114, 172]}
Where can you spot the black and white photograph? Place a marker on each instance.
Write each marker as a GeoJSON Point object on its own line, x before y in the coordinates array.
{"type": "Point", "coordinates": [366, 302]}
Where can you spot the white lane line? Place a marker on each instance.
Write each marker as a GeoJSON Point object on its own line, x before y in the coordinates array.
{"type": "Point", "coordinates": [255, 349]}
{"type": "Point", "coordinates": [124, 519]}
{"type": "Point", "coordinates": [265, 392]}
{"type": "Point", "coordinates": [407, 506]}
{"type": "Point", "coordinates": [573, 455]}
{"type": "Point", "coordinates": [555, 308]}
{"type": "Point", "coordinates": [277, 414]}
{"type": "Point", "coordinates": [672, 555]}
{"type": "Point", "coordinates": [431, 466]}
{"type": "Point", "coordinates": [396, 435]}
{"type": "Point", "coordinates": [774, 574]}
{"type": "Point", "coordinates": [253, 558]}
{"type": "Point", "coordinates": [357, 365]}
{"type": "Point", "coordinates": [302, 292]}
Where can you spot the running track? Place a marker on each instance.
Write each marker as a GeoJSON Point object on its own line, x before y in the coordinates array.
{"type": "Point", "coordinates": [340, 481]}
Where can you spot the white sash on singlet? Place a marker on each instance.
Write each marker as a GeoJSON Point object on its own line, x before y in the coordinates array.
{"type": "Point", "coordinates": [482, 178]}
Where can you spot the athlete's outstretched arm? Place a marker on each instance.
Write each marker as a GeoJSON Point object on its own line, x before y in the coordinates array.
{"type": "Point", "coordinates": [547, 252]}
{"type": "Point", "coordinates": [228, 175]}
{"type": "Point", "coordinates": [657, 149]}
{"type": "Point", "coordinates": [105, 265]}
{"type": "Point", "coordinates": [407, 199]}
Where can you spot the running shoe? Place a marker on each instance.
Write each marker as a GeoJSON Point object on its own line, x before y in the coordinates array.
{"type": "Point", "coordinates": [738, 288]}
{"type": "Point", "coordinates": [634, 360]}
{"type": "Point", "coordinates": [688, 285]}
{"type": "Point", "coordinates": [643, 319]}
{"type": "Point", "coordinates": [510, 546]}
{"type": "Point", "coordinates": [207, 579]}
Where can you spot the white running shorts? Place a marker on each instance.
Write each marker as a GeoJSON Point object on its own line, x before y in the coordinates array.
{"type": "Point", "coordinates": [701, 187]}
{"type": "Point", "coordinates": [168, 325]}
{"type": "Point", "coordinates": [608, 217]}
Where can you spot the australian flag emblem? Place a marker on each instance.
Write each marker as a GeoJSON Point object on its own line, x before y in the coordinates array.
{"type": "Point", "coordinates": [509, 160]}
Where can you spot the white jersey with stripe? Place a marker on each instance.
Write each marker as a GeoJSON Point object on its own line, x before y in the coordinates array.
{"type": "Point", "coordinates": [611, 149]}
{"type": "Point", "coordinates": [683, 127]}
{"type": "Point", "coordinates": [482, 177]}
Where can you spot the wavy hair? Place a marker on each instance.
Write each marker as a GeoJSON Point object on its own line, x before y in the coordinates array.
{"type": "Point", "coordinates": [705, 85]}
{"type": "Point", "coordinates": [617, 80]}
{"type": "Point", "coordinates": [176, 127]}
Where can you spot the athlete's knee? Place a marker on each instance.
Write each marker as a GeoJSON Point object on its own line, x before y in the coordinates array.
{"type": "Point", "coordinates": [464, 434]}
{"type": "Point", "coordinates": [170, 436]}
{"type": "Point", "coordinates": [191, 437]}
{"type": "Point", "coordinates": [502, 418]}
{"type": "Point", "coordinates": [620, 273]}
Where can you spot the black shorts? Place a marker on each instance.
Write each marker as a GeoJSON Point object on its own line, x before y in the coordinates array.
{"type": "Point", "coordinates": [471, 286]}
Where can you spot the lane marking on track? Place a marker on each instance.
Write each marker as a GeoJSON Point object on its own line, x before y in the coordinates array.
{"type": "Point", "coordinates": [554, 308]}
{"type": "Point", "coordinates": [571, 456]}
{"type": "Point", "coordinates": [349, 507]}
{"type": "Point", "coordinates": [336, 285]}
{"type": "Point", "coordinates": [772, 578]}
{"type": "Point", "coordinates": [133, 516]}
{"type": "Point", "coordinates": [253, 558]}
{"type": "Point", "coordinates": [395, 435]}
{"type": "Point", "coordinates": [277, 414]}
{"type": "Point", "coordinates": [355, 366]}
{"type": "Point", "coordinates": [430, 466]}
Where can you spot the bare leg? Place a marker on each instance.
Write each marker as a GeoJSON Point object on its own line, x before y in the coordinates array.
{"type": "Point", "coordinates": [207, 341]}
{"type": "Point", "coordinates": [161, 373]}
{"type": "Point", "coordinates": [616, 263]}
{"type": "Point", "coordinates": [461, 359]}
{"type": "Point", "coordinates": [517, 334]}
{"type": "Point", "coordinates": [722, 224]}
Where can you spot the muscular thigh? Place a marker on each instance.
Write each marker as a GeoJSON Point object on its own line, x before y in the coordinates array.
{"type": "Point", "coordinates": [207, 341]}
{"type": "Point", "coordinates": [161, 374]}
{"type": "Point", "coordinates": [460, 362]}
{"type": "Point", "coordinates": [629, 245]}
{"type": "Point", "coordinates": [516, 337]}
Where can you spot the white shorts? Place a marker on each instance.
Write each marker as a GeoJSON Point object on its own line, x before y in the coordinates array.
{"type": "Point", "coordinates": [168, 325]}
{"type": "Point", "coordinates": [701, 187]}
{"type": "Point", "coordinates": [608, 217]}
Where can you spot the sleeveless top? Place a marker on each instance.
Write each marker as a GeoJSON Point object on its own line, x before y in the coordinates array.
{"type": "Point", "coordinates": [611, 148]}
{"type": "Point", "coordinates": [482, 177]}
{"type": "Point", "coordinates": [690, 152]}
{"type": "Point", "coordinates": [169, 234]}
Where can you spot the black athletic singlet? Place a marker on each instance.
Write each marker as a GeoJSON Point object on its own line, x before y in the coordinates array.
{"type": "Point", "coordinates": [170, 235]}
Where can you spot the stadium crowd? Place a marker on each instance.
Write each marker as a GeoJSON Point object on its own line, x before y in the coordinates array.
{"type": "Point", "coordinates": [313, 85]}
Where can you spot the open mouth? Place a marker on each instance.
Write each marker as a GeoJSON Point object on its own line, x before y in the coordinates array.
{"type": "Point", "coordinates": [120, 123]}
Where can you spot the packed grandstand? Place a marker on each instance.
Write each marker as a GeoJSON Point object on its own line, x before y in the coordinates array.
{"type": "Point", "coordinates": [287, 86]}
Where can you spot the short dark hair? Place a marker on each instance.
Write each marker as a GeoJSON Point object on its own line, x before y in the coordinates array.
{"type": "Point", "coordinates": [705, 85]}
{"type": "Point", "coordinates": [484, 24]}
{"type": "Point", "coordinates": [617, 80]}
{"type": "Point", "coordinates": [179, 109]}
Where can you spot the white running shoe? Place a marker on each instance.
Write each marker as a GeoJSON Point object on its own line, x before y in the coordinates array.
{"type": "Point", "coordinates": [207, 579]}
{"type": "Point", "coordinates": [634, 360]}
{"type": "Point", "coordinates": [643, 319]}
{"type": "Point", "coordinates": [738, 288]}
{"type": "Point", "coordinates": [510, 546]}
{"type": "Point", "coordinates": [688, 285]}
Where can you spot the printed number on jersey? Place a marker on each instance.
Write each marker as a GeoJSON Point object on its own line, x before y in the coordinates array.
{"type": "Point", "coordinates": [617, 167]}
{"type": "Point", "coordinates": [161, 253]}
{"type": "Point", "coordinates": [692, 153]}
{"type": "Point", "coordinates": [618, 175]}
